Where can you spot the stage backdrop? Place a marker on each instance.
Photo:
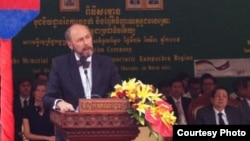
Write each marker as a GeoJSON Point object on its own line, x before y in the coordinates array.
{"type": "Point", "coordinates": [148, 41]}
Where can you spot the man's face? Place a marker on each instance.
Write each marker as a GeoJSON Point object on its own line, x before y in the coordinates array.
{"type": "Point", "coordinates": [81, 40]}
{"type": "Point", "coordinates": [25, 89]}
{"type": "Point", "coordinates": [220, 99]}
{"type": "Point", "coordinates": [177, 89]}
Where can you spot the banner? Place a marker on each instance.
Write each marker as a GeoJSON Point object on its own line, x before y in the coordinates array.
{"type": "Point", "coordinates": [222, 67]}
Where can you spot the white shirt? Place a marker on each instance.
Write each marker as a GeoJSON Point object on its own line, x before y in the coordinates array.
{"type": "Point", "coordinates": [22, 100]}
{"type": "Point", "coordinates": [87, 83]}
{"type": "Point", "coordinates": [182, 118]}
{"type": "Point", "coordinates": [224, 116]}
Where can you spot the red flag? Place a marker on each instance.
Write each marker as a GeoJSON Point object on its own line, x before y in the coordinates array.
{"type": "Point", "coordinates": [14, 15]}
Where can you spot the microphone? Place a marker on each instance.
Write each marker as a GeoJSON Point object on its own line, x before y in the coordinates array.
{"type": "Point", "coordinates": [86, 72]}
{"type": "Point", "coordinates": [88, 93]}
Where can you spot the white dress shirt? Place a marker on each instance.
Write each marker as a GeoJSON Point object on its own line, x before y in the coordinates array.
{"type": "Point", "coordinates": [87, 83]}
{"type": "Point", "coordinates": [224, 116]}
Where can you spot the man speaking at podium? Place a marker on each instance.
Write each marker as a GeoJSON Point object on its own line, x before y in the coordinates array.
{"type": "Point", "coordinates": [79, 74]}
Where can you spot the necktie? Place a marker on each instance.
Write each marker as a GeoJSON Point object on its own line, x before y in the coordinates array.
{"type": "Point", "coordinates": [221, 121]}
{"type": "Point", "coordinates": [180, 111]}
{"type": "Point", "coordinates": [25, 103]}
{"type": "Point", "coordinates": [83, 62]}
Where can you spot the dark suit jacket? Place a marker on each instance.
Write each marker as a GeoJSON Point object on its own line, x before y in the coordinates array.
{"type": "Point", "coordinates": [245, 112]}
{"type": "Point", "coordinates": [65, 81]}
{"type": "Point", "coordinates": [18, 116]}
{"type": "Point", "coordinates": [206, 115]}
{"type": "Point", "coordinates": [185, 104]}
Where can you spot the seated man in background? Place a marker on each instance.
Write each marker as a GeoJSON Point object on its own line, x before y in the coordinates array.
{"type": "Point", "coordinates": [22, 99]}
{"type": "Point", "coordinates": [180, 104]}
{"type": "Point", "coordinates": [245, 103]}
{"type": "Point", "coordinates": [218, 112]}
{"type": "Point", "coordinates": [239, 90]}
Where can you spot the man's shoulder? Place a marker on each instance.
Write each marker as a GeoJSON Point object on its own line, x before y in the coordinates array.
{"type": "Point", "coordinates": [186, 98]}
{"type": "Point", "coordinates": [232, 108]}
{"type": "Point", "coordinates": [243, 103]}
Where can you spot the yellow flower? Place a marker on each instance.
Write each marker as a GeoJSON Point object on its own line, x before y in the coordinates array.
{"type": "Point", "coordinates": [142, 107]}
{"type": "Point", "coordinates": [144, 93]}
{"type": "Point", "coordinates": [146, 100]}
{"type": "Point", "coordinates": [168, 118]}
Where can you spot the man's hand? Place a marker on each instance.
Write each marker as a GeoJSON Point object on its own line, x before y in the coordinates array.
{"type": "Point", "coordinates": [63, 106]}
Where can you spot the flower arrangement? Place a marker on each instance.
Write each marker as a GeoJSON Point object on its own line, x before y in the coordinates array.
{"type": "Point", "coordinates": [147, 107]}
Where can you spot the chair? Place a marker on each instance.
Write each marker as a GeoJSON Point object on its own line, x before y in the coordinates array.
{"type": "Point", "coordinates": [195, 105]}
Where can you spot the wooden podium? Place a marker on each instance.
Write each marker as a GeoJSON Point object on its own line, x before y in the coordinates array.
{"type": "Point", "coordinates": [97, 120]}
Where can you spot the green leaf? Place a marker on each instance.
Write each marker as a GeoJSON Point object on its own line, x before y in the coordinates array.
{"type": "Point", "coordinates": [155, 135]}
{"type": "Point", "coordinates": [152, 132]}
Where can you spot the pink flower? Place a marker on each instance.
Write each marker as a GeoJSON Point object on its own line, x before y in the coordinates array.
{"type": "Point", "coordinates": [147, 106]}
{"type": "Point", "coordinates": [158, 125]}
{"type": "Point", "coordinates": [164, 105]}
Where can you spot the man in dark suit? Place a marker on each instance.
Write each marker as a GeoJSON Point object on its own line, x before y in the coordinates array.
{"type": "Point", "coordinates": [219, 112]}
{"type": "Point", "coordinates": [179, 103]}
{"type": "Point", "coordinates": [22, 98]}
{"type": "Point", "coordinates": [245, 103]}
{"type": "Point", "coordinates": [79, 74]}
